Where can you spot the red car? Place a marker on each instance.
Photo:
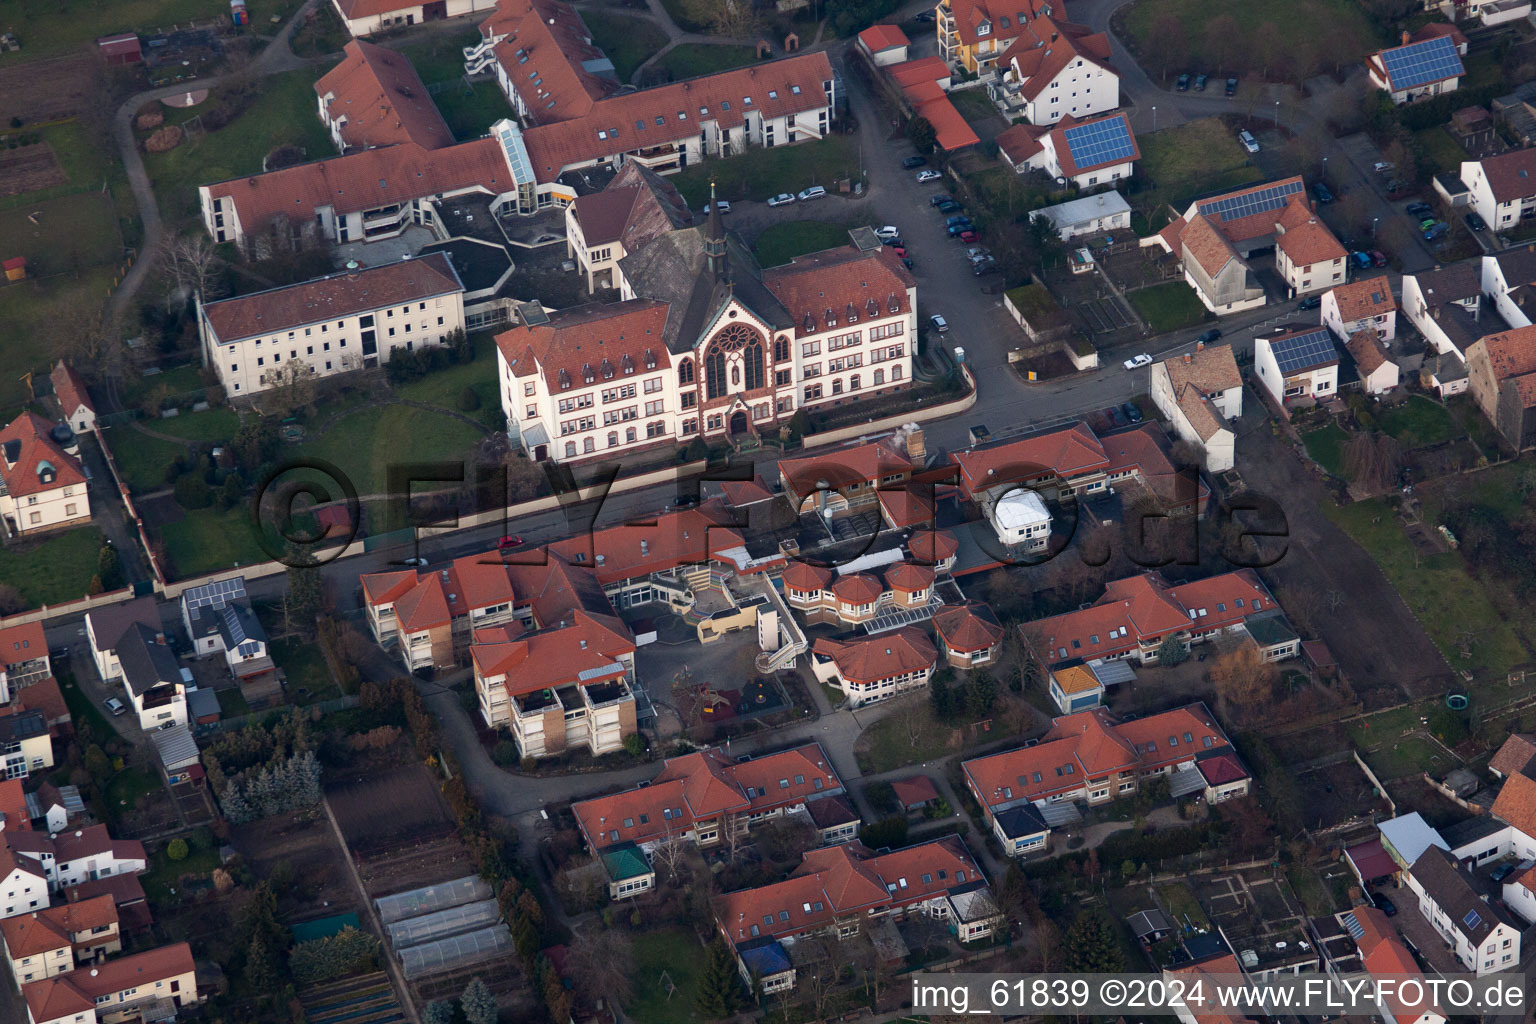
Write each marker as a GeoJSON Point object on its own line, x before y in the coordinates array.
{"type": "Point", "coordinates": [900, 252]}
{"type": "Point", "coordinates": [510, 541]}
{"type": "Point", "coordinates": [968, 236]}
{"type": "Point", "coordinates": [1378, 258]}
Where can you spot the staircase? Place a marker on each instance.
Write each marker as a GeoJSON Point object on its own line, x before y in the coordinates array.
{"type": "Point", "coordinates": [795, 641]}
{"type": "Point", "coordinates": [479, 57]}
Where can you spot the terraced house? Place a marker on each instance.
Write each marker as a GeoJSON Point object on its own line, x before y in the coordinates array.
{"type": "Point", "coordinates": [974, 33]}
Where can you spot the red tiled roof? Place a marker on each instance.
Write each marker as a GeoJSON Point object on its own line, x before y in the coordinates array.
{"type": "Point", "coordinates": [1510, 353]}
{"type": "Point", "coordinates": [806, 578]}
{"type": "Point", "coordinates": [1383, 954]}
{"type": "Point", "coordinates": [365, 180]}
{"type": "Point", "coordinates": [873, 285]}
{"type": "Point", "coordinates": [968, 627]}
{"type": "Point", "coordinates": [382, 100]}
{"type": "Point", "coordinates": [1222, 769]}
{"type": "Point", "coordinates": [56, 998]}
{"type": "Point", "coordinates": [720, 97]}
{"type": "Point", "coordinates": [45, 696]}
{"type": "Point", "coordinates": [13, 805]}
{"type": "Point", "coordinates": [22, 643]}
{"type": "Point", "coordinates": [857, 589]}
{"type": "Point", "coordinates": [594, 339]}
{"type": "Point", "coordinates": [1069, 166]}
{"type": "Point", "coordinates": [543, 54]}
{"type": "Point", "coordinates": [882, 37]}
{"type": "Point", "coordinates": [690, 536]}
{"type": "Point", "coordinates": [61, 995]}
{"type": "Point", "coordinates": [93, 841]}
{"type": "Point", "coordinates": [867, 659]}
{"type": "Point", "coordinates": [1305, 239]}
{"type": "Point", "coordinates": [1065, 453]}
{"type": "Point", "coordinates": [1514, 754]}
{"type": "Point", "coordinates": [1511, 175]}
{"type": "Point", "coordinates": [333, 297]}
{"type": "Point", "coordinates": [908, 577]}
{"type": "Point", "coordinates": [31, 934]}
{"type": "Point", "coordinates": [70, 388]}
{"type": "Point", "coordinates": [354, 9]}
{"type": "Point", "coordinates": [1007, 19]}
{"type": "Point", "coordinates": [921, 81]}
{"type": "Point", "coordinates": [1047, 46]}
{"type": "Point", "coordinates": [587, 651]}
{"type": "Point", "coordinates": [844, 466]}
{"type": "Point", "coordinates": [1364, 298]}
{"type": "Point", "coordinates": [914, 790]}
{"type": "Point", "coordinates": [1206, 245]}
{"type": "Point", "coordinates": [1021, 142]}
{"type": "Point", "coordinates": [36, 452]}
{"type": "Point", "coordinates": [933, 546]}
{"type": "Point", "coordinates": [1254, 225]}
{"type": "Point", "coordinates": [1516, 803]}
{"type": "Point", "coordinates": [1368, 352]}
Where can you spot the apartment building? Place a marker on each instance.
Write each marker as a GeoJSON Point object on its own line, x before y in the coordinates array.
{"type": "Point", "coordinates": [896, 589]}
{"type": "Point", "coordinates": [56, 940]}
{"type": "Point", "coordinates": [70, 858]}
{"type": "Point", "coordinates": [969, 634]}
{"type": "Point", "coordinates": [974, 33]}
{"type": "Point", "coordinates": [1053, 70]}
{"type": "Point", "coordinates": [875, 667]}
{"type": "Point", "coordinates": [42, 486]}
{"type": "Point", "coordinates": [151, 985]}
{"type": "Point", "coordinates": [23, 659]}
{"type": "Point", "coordinates": [106, 626]}
{"type": "Point", "coordinates": [152, 678]}
{"type": "Point", "coordinates": [374, 98]}
{"type": "Point", "coordinates": [544, 60]}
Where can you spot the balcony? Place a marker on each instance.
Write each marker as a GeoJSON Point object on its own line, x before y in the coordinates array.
{"type": "Point", "coordinates": [599, 695]}
{"type": "Point", "coordinates": [536, 703]}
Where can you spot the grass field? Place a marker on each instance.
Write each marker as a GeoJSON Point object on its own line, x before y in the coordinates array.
{"type": "Point", "coordinates": [1455, 609]}
{"type": "Point", "coordinates": [210, 425]}
{"type": "Point", "coordinates": [52, 570]}
{"type": "Point", "coordinates": [677, 953]}
{"type": "Point", "coordinates": [1399, 757]}
{"type": "Point", "coordinates": [141, 459]}
{"type": "Point", "coordinates": [470, 112]}
{"type": "Point", "coordinates": [439, 56]}
{"type": "Point", "coordinates": [627, 40]}
{"type": "Point", "coordinates": [306, 669]}
{"type": "Point", "coordinates": [766, 172]}
{"type": "Point", "coordinates": [366, 443]}
{"type": "Point", "coordinates": [1419, 421]}
{"type": "Point", "coordinates": [1191, 159]}
{"type": "Point", "coordinates": [783, 242]}
{"type": "Point", "coordinates": [443, 387]}
{"type": "Point", "coordinates": [283, 113]}
{"type": "Point", "coordinates": [63, 235]}
{"type": "Point", "coordinates": [1441, 152]}
{"type": "Point", "coordinates": [1181, 903]}
{"type": "Point", "coordinates": [1287, 26]}
{"type": "Point", "coordinates": [1326, 446]}
{"type": "Point", "coordinates": [888, 743]}
{"type": "Point", "coordinates": [974, 106]}
{"type": "Point", "coordinates": [47, 28]}
{"type": "Point", "coordinates": [1168, 306]}
{"type": "Point", "coordinates": [209, 539]}
{"type": "Point", "coordinates": [693, 59]}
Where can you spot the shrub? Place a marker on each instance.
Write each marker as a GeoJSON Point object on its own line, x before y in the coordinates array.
{"type": "Point", "coordinates": [469, 400]}
{"type": "Point", "coordinates": [192, 491]}
{"type": "Point", "coordinates": [177, 849]}
{"type": "Point", "coordinates": [634, 745]}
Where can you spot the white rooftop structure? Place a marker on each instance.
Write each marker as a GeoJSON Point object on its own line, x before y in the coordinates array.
{"type": "Point", "coordinates": [873, 560]}
{"type": "Point", "coordinates": [1020, 517]}
{"type": "Point", "coordinates": [1410, 835]}
{"type": "Point", "coordinates": [1106, 211]}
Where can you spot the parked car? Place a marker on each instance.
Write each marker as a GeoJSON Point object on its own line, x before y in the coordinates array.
{"type": "Point", "coordinates": [1250, 143]}
{"type": "Point", "coordinates": [1383, 904]}
{"type": "Point", "coordinates": [1200, 81]}
{"type": "Point", "coordinates": [1116, 416]}
{"type": "Point", "coordinates": [939, 323]}
{"type": "Point", "coordinates": [928, 175]}
{"type": "Point", "coordinates": [1440, 228]}
{"type": "Point", "coordinates": [1475, 221]}
{"type": "Point", "coordinates": [942, 197]}
{"type": "Point", "coordinates": [114, 705]}
{"type": "Point", "coordinates": [977, 252]}
{"type": "Point", "coordinates": [1138, 361]}
{"type": "Point", "coordinates": [1383, 167]}
{"type": "Point", "coordinates": [949, 206]}
{"type": "Point", "coordinates": [888, 232]}
{"type": "Point", "coordinates": [1362, 260]}
{"type": "Point", "coordinates": [925, 16]}
{"type": "Point", "coordinates": [1394, 186]}
{"type": "Point", "coordinates": [720, 204]}
{"type": "Point", "coordinates": [1231, 87]}
{"type": "Point", "coordinates": [1132, 413]}
{"type": "Point", "coordinates": [906, 262]}
{"type": "Point", "coordinates": [685, 500]}
{"type": "Point", "coordinates": [1418, 210]}
{"type": "Point", "coordinates": [1183, 83]}
{"type": "Point", "coordinates": [1209, 336]}
{"type": "Point", "coordinates": [782, 199]}
{"type": "Point", "coordinates": [985, 266]}
{"type": "Point", "coordinates": [1426, 223]}
{"type": "Point", "coordinates": [814, 192]}
{"type": "Point", "coordinates": [969, 236]}
{"type": "Point", "coordinates": [958, 218]}
{"type": "Point", "coordinates": [1321, 192]}
{"type": "Point", "coordinates": [900, 251]}
{"type": "Point", "coordinates": [1504, 870]}
{"type": "Point", "coordinates": [913, 162]}
{"type": "Point", "coordinates": [509, 541]}
{"type": "Point", "coordinates": [1378, 258]}
{"type": "Point", "coordinates": [956, 230]}
{"type": "Point", "coordinates": [415, 562]}
{"type": "Point", "coordinates": [1310, 302]}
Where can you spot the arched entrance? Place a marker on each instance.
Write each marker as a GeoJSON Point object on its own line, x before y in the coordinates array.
{"type": "Point", "coordinates": [739, 422]}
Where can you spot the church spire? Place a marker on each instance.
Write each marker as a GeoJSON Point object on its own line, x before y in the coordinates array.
{"type": "Point", "coordinates": [714, 237]}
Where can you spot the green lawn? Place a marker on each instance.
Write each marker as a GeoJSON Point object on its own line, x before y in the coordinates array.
{"type": "Point", "coordinates": [64, 234]}
{"type": "Point", "coordinates": [1286, 26]}
{"type": "Point", "coordinates": [974, 106]}
{"type": "Point", "coordinates": [208, 540]}
{"type": "Point", "coordinates": [162, 874]}
{"type": "Point", "coordinates": [693, 59]}
{"type": "Point", "coordinates": [1326, 446]}
{"type": "Point", "coordinates": [1181, 903]}
{"type": "Point", "coordinates": [211, 425]}
{"type": "Point", "coordinates": [1419, 421]}
{"type": "Point", "coordinates": [1168, 306]}
{"type": "Point", "coordinates": [1454, 607]}
{"type": "Point", "coordinates": [1191, 159]}
{"type": "Point", "coordinates": [365, 443]}
{"type": "Point", "coordinates": [677, 953]}
{"type": "Point", "coordinates": [87, 165]}
{"type": "Point", "coordinates": [783, 242]}
{"type": "Point", "coordinates": [627, 40]}
{"type": "Point", "coordinates": [305, 667]}
{"type": "Point", "coordinates": [284, 113]}
{"type": "Point", "coordinates": [56, 569]}
{"type": "Point", "coordinates": [47, 28]}
{"type": "Point", "coordinates": [765, 172]}
{"type": "Point", "coordinates": [684, 15]}
{"type": "Point", "coordinates": [439, 56]}
{"type": "Point", "coordinates": [141, 459]}
{"type": "Point", "coordinates": [443, 387]}
{"type": "Point", "coordinates": [181, 381]}
{"type": "Point", "coordinates": [889, 744]}
{"type": "Point", "coordinates": [470, 112]}
{"type": "Point", "coordinates": [1310, 890]}
{"type": "Point", "coordinates": [124, 789]}
{"type": "Point", "coordinates": [232, 703]}
{"type": "Point", "coordinates": [1397, 758]}
{"type": "Point", "coordinates": [1440, 151]}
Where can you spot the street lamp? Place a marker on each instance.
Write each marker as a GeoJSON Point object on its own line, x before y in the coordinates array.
{"type": "Point", "coordinates": [1154, 118]}
{"type": "Point", "coordinates": [1373, 227]}
{"type": "Point", "coordinates": [1277, 113]}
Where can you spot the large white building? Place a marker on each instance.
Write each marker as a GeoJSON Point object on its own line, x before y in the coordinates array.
{"type": "Point", "coordinates": [1055, 69]}
{"type": "Point", "coordinates": [42, 486]}
{"type": "Point", "coordinates": [705, 344]}
{"type": "Point", "coordinates": [347, 321]}
{"type": "Point", "coordinates": [366, 17]}
{"type": "Point", "coordinates": [1502, 189]}
{"type": "Point", "coordinates": [544, 60]}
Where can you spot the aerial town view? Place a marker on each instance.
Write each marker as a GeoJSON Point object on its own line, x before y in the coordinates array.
{"type": "Point", "coordinates": [683, 511]}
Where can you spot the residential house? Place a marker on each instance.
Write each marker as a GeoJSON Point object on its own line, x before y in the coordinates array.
{"type": "Point", "coordinates": [1222, 279]}
{"type": "Point", "coordinates": [46, 697]}
{"type": "Point", "coordinates": [1297, 363]}
{"type": "Point", "coordinates": [969, 634]}
{"type": "Point", "coordinates": [148, 985]}
{"type": "Point", "coordinates": [1481, 933]}
{"type": "Point", "coordinates": [70, 858]}
{"type": "Point", "coordinates": [1519, 893]}
{"type": "Point", "coordinates": [1201, 394]}
{"type": "Point", "coordinates": [23, 659]}
{"type": "Point", "coordinates": [431, 616]}
{"type": "Point", "coordinates": [1200, 975]}
{"type": "Point", "coordinates": [75, 404]}
{"type": "Point", "coordinates": [1513, 755]}
{"type": "Point", "coordinates": [106, 626]}
{"type": "Point", "coordinates": [54, 807]}
{"type": "Point", "coordinates": [1055, 69]}
{"type": "Point", "coordinates": [1090, 215]}
{"type": "Point", "coordinates": [219, 619]}
{"type": "Point", "coordinates": [153, 679]}
{"type": "Point", "coordinates": [544, 60]}
{"type": "Point", "coordinates": [56, 940]}
{"type": "Point", "coordinates": [375, 98]}
{"type": "Point", "coordinates": [1086, 152]}
{"type": "Point", "coordinates": [895, 591]}
{"type": "Point", "coordinates": [1379, 951]}
{"type": "Point", "coordinates": [884, 44]}
{"type": "Point", "coordinates": [1425, 64]}
{"type": "Point", "coordinates": [565, 687]}
{"type": "Point", "coordinates": [875, 667]}
{"type": "Point", "coordinates": [351, 320]}
{"type": "Point", "coordinates": [15, 805]}
{"type": "Point", "coordinates": [127, 894]}
{"type": "Point", "coordinates": [1074, 686]}
{"type": "Point", "coordinates": [1509, 279]}
{"type": "Point", "coordinates": [711, 346]}
{"type": "Point", "coordinates": [1378, 373]}
{"type": "Point", "coordinates": [368, 17]}
{"type": "Point", "coordinates": [601, 228]}
{"type": "Point", "coordinates": [1502, 189]}
{"type": "Point", "coordinates": [23, 882]}
{"type": "Point", "coordinates": [974, 33]}
{"type": "Point", "coordinates": [42, 486]}
{"type": "Point", "coordinates": [1445, 306]}
{"type": "Point", "coordinates": [1091, 758]}
{"type": "Point", "coordinates": [1361, 305]}
{"type": "Point", "coordinates": [26, 745]}
{"type": "Point", "coordinates": [1307, 254]}
{"type": "Point", "coordinates": [836, 889]}
{"type": "Point", "coordinates": [1501, 372]}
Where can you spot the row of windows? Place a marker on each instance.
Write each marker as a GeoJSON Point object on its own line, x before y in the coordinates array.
{"type": "Point", "coordinates": [566, 404]}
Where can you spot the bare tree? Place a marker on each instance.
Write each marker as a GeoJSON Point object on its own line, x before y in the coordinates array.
{"type": "Point", "coordinates": [669, 853]}
{"type": "Point", "coordinates": [737, 19]}
{"type": "Point", "coordinates": [1373, 462]}
{"type": "Point", "coordinates": [603, 962]}
{"type": "Point", "coordinates": [193, 261]}
{"type": "Point", "coordinates": [1169, 42]}
{"type": "Point", "coordinates": [816, 970]}
{"type": "Point", "coordinates": [1222, 37]}
{"type": "Point", "coordinates": [290, 386]}
{"type": "Point", "coordinates": [733, 833]}
{"type": "Point", "coordinates": [787, 838]}
{"type": "Point", "coordinates": [1245, 683]}
{"type": "Point", "coordinates": [914, 716]}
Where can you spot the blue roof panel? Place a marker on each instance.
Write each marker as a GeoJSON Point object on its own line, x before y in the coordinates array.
{"type": "Point", "coordinates": [1297, 352]}
{"type": "Point", "coordinates": [1100, 142]}
{"type": "Point", "coordinates": [1416, 64]}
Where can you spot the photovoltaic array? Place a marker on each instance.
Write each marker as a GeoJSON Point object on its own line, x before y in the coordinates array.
{"type": "Point", "coordinates": [1300, 351]}
{"type": "Point", "coordinates": [1101, 142]}
{"type": "Point", "coordinates": [1422, 63]}
{"type": "Point", "coordinates": [1259, 200]}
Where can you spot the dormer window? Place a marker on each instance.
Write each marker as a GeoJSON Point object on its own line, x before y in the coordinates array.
{"type": "Point", "coordinates": [984, 29]}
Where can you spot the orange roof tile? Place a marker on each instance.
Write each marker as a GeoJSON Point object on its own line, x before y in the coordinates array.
{"type": "Point", "coordinates": [858, 588]}
{"type": "Point", "coordinates": [1365, 298]}
{"type": "Point", "coordinates": [1511, 353]}
{"type": "Point", "coordinates": [805, 577]}
{"type": "Point", "coordinates": [1047, 46]}
{"type": "Point", "coordinates": [1021, 142]}
{"type": "Point", "coordinates": [70, 388]}
{"type": "Point", "coordinates": [1004, 19]}
{"type": "Point", "coordinates": [968, 627]}
{"type": "Point", "coordinates": [844, 466]}
{"type": "Point", "coordinates": [545, 55]}
{"type": "Point", "coordinates": [932, 546]}
{"type": "Point", "coordinates": [867, 285]}
{"type": "Point", "coordinates": [1516, 803]}
{"type": "Point", "coordinates": [381, 99]}
{"type": "Point", "coordinates": [1514, 754]}
{"type": "Point", "coordinates": [606, 342]}
{"type": "Point", "coordinates": [13, 805]}
{"type": "Point", "coordinates": [1069, 166]}
{"type": "Point", "coordinates": [1368, 352]}
{"type": "Point", "coordinates": [883, 37]}
{"type": "Point", "coordinates": [585, 651]}
{"type": "Point", "coordinates": [1254, 225]}
{"type": "Point", "coordinates": [1066, 453]}
{"type": "Point", "coordinates": [22, 643]}
{"type": "Point", "coordinates": [908, 577]}
{"type": "Point", "coordinates": [32, 934]}
{"type": "Point", "coordinates": [1206, 245]}
{"type": "Point", "coordinates": [31, 462]}
{"type": "Point", "coordinates": [1304, 238]}
{"type": "Point", "coordinates": [868, 659]}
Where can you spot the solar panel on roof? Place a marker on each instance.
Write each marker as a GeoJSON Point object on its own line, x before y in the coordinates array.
{"type": "Point", "coordinates": [1101, 142]}
{"type": "Point", "coordinates": [1421, 63]}
{"type": "Point", "coordinates": [1261, 200]}
{"type": "Point", "coordinates": [215, 595]}
{"type": "Point", "coordinates": [1352, 926]}
{"type": "Point", "coordinates": [1300, 351]}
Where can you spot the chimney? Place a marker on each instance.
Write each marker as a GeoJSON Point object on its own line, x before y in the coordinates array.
{"type": "Point", "coordinates": [1188, 357]}
{"type": "Point", "coordinates": [645, 547]}
{"type": "Point", "coordinates": [917, 449]}
{"type": "Point", "coordinates": [1199, 346]}
{"type": "Point", "coordinates": [1406, 37]}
